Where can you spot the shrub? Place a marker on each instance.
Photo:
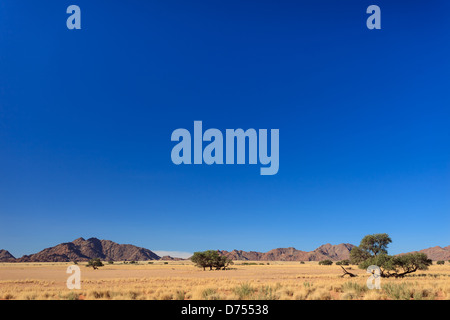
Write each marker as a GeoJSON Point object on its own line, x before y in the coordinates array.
{"type": "Point", "coordinates": [343, 263]}
{"type": "Point", "coordinates": [166, 262]}
{"type": "Point", "coordinates": [210, 294]}
{"type": "Point", "coordinates": [180, 295]}
{"type": "Point", "coordinates": [266, 293]}
{"type": "Point", "coordinates": [94, 263]}
{"type": "Point", "coordinates": [73, 296]}
{"type": "Point", "coordinates": [133, 295]}
{"type": "Point", "coordinates": [353, 289]}
{"type": "Point", "coordinates": [244, 290]}
{"type": "Point", "coordinates": [8, 296]}
{"type": "Point", "coordinates": [325, 263]}
{"type": "Point", "coordinates": [440, 262]}
{"type": "Point", "coordinates": [399, 291]}
{"type": "Point", "coordinates": [110, 262]}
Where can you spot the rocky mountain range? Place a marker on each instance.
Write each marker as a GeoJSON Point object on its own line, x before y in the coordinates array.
{"type": "Point", "coordinates": [84, 250]}
{"type": "Point", "coordinates": [437, 253]}
{"type": "Point", "coordinates": [326, 251]}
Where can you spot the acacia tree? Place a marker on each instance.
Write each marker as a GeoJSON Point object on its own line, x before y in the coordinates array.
{"type": "Point", "coordinates": [373, 251]}
{"type": "Point", "coordinates": [95, 263]}
{"type": "Point", "coordinates": [211, 259]}
{"type": "Point", "coordinates": [222, 262]}
{"type": "Point", "coordinates": [200, 259]}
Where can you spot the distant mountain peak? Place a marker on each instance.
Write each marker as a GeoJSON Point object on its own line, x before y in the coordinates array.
{"type": "Point", "coordinates": [84, 250]}
{"type": "Point", "coordinates": [437, 253]}
{"type": "Point", "coordinates": [5, 256]}
{"type": "Point", "coordinates": [78, 241]}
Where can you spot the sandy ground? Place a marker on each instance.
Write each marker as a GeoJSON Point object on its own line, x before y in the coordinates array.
{"type": "Point", "coordinates": [182, 280]}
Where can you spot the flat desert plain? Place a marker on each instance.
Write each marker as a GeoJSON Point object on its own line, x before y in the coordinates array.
{"type": "Point", "coordinates": [181, 280]}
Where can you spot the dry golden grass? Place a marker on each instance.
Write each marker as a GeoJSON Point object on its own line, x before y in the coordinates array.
{"type": "Point", "coordinates": [182, 280]}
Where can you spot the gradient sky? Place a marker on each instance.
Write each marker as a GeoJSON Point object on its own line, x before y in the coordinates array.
{"type": "Point", "coordinates": [86, 118]}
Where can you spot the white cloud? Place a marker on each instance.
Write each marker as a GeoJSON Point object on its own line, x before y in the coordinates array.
{"type": "Point", "coordinates": [173, 254]}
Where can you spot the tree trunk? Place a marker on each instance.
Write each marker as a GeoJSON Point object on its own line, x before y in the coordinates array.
{"type": "Point", "coordinates": [346, 272]}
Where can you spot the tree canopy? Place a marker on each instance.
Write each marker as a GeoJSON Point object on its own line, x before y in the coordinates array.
{"type": "Point", "coordinates": [373, 251]}
{"type": "Point", "coordinates": [211, 259]}
{"type": "Point", "coordinates": [95, 263]}
{"type": "Point", "coordinates": [375, 243]}
{"type": "Point", "coordinates": [326, 262]}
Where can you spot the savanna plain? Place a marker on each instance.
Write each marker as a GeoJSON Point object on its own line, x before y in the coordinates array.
{"type": "Point", "coordinates": [182, 280]}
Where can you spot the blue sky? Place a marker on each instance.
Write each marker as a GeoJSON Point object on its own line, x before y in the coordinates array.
{"type": "Point", "coordinates": [86, 118]}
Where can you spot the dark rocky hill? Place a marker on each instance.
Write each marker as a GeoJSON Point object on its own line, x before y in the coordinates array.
{"type": "Point", "coordinates": [84, 250]}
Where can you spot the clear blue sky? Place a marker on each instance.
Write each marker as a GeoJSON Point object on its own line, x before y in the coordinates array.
{"type": "Point", "coordinates": [86, 118]}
